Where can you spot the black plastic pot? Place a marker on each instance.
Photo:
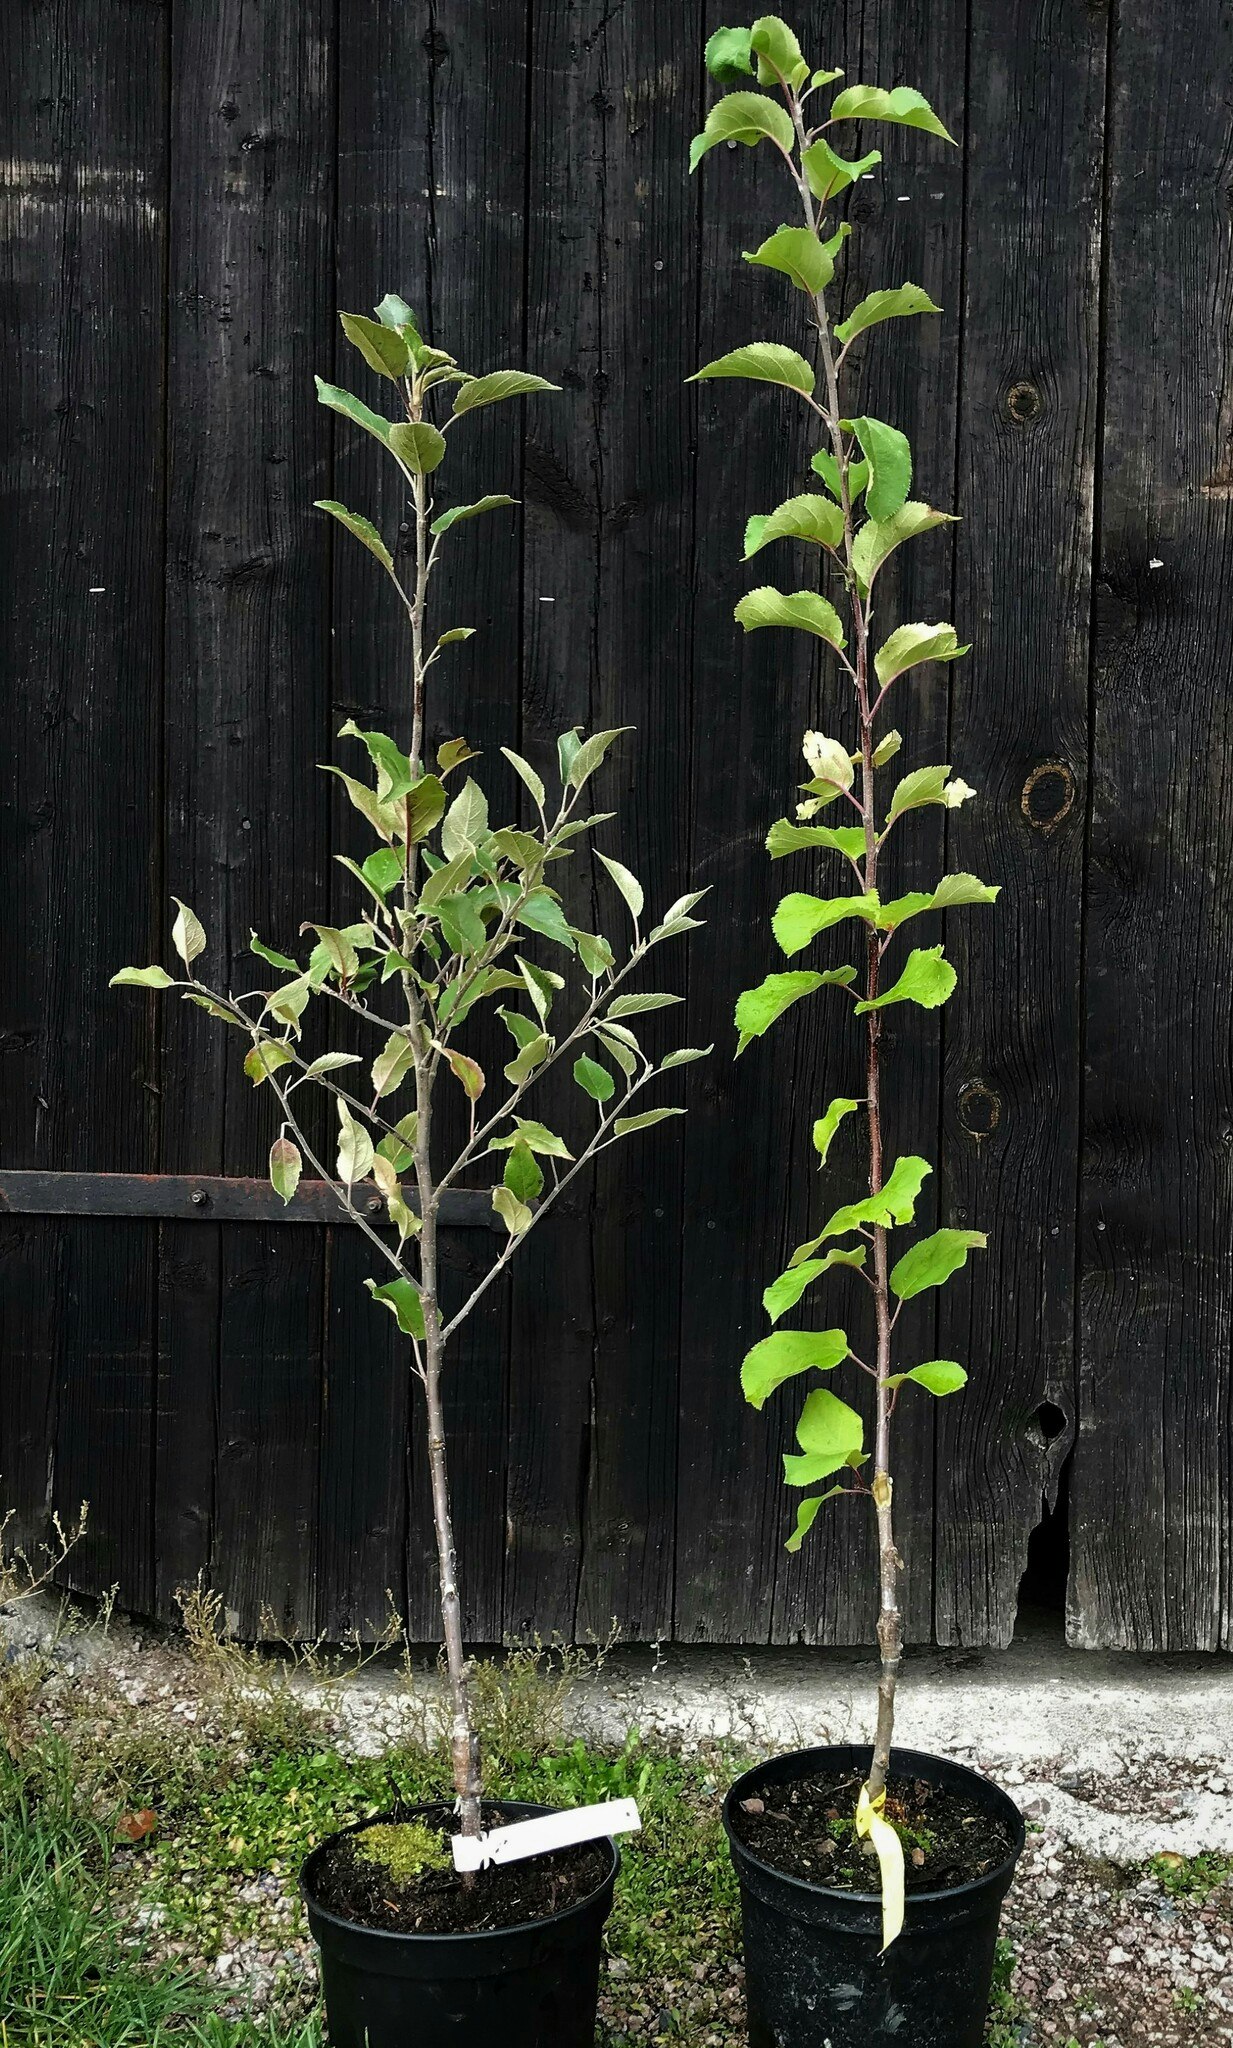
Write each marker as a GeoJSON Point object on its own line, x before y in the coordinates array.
{"type": "Point", "coordinates": [534, 1986]}
{"type": "Point", "coordinates": [813, 1974]}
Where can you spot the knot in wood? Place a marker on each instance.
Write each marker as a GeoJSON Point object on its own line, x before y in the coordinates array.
{"type": "Point", "coordinates": [980, 1109]}
{"type": "Point", "coordinates": [1048, 796]}
{"type": "Point", "coordinates": [1024, 404]}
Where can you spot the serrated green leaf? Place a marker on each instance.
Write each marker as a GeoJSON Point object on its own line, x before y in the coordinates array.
{"type": "Point", "coordinates": [528, 775]}
{"type": "Point", "coordinates": [468, 1073]}
{"type": "Point", "coordinates": [625, 1054]}
{"type": "Point", "coordinates": [761, 362]}
{"type": "Point", "coordinates": [803, 609]}
{"type": "Point", "coordinates": [684, 1056]}
{"type": "Point", "coordinates": [542, 913]}
{"type": "Point", "coordinates": [928, 979]}
{"type": "Point", "coordinates": [799, 918]}
{"type": "Point", "coordinates": [402, 1298]}
{"type": "Point", "coordinates": [286, 1167]}
{"type": "Point", "coordinates": [265, 1059]}
{"type": "Point", "coordinates": [758, 1008]}
{"type": "Point", "coordinates": [784, 837]}
{"type": "Point", "coordinates": [515, 1215]}
{"type": "Point", "coordinates": [629, 885]}
{"type": "Point", "coordinates": [382, 870]}
{"type": "Point", "coordinates": [353, 409]}
{"type": "Point", "coordinates": [728, 57]}
{"type": "Point", "coordinates": [828, 1123]}
{"type": "Point", "coordinates": [889, 455]}
{"type": "Point", "coordinates": [595, 953]}
{"type": "Point", "coordinates": [595, 1080]}
{"type": "Point", "coordinates": [878, 538]}
{"type": "Point", "coordinates": [899, 304]}
{"type": "Point", "coordinates": [536, 1135]}
{"type": "Point", "coordinates": [931, 1262]}
{"type": "Point", "coordinates": [362, 528]}
{"type": "Point", "coordinates": [521, 1029]}
{"type": "Point", "coordinates": [523, 1176]}
{"type": "Point", "coordinates": [952, 893]}
{"type": "Point", "coordinates": [623, 1125]}
{"type": "Point", "coordinates": [748, 117]}
{"type": "Point", "coordinates": [829, 1433]}
{"type": "Point", "coordinates": [894, 1204]}
{"type": "Point", "coordinates": [466, 821]}
{"type": "Point", "coordinates": [396, 313]}
{"type": "Point", "coordinates": [394, 772]}
{"type": "Point", "coordinates": [807, 1515]}
{"type": "Point", "coordinates": [396, 1144]}
{"type": "Point", "coordinates": [494, 502]}
{"type": "Point", "coordinates": [366, 801]}
{"type": "Point", "coordinates": [331, 1062]}
{"type": "Point", "coordinates": [786, 1291]}
{"type": "Point", "coordinates": [542, 985]}
{"type": "Point", "coordinates": [530, 1056]}
{"type": "Point", "coordinates": [382, 347]}
{"type": "Point", "coordinates": [809, 518]}
{"type": "Point", "coordinates": [419, 446]}
{"type": "Point", "coordinates": [823, 464]}
{"type": "Point", "coordinates": [498, 385]}
{"type": "Point", "coordinates": [340, 953]}
{"type": "Point", "coordinates": [632, 1006]}
{"type": "Point", "coordinates": [141, 977]}
{"type": "Point", "coordinates": [937, 1376]}
{"type": "Point", "coordinates": [829, 174]}
{"type": "Point", "coordinates": [778, 53]}
{"type": "Point", "coordinates": [392, 1064]}
{"type": "Point", "coordinates": [796, 253]}
{"type": "Point", "coordinates": [590, 754]}
{"type": "Point", "coordinates": [908, 646]}
{"type": "Point", "coordinates": [903, 106]}
{"type": "Point", "coordinates": [355, 1147]}
{"type": "Point", "coordinates": [786, 1354]}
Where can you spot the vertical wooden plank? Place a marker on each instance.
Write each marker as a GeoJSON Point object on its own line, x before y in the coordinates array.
{"type": "Point", "coordinates": [432, 141]}
{"type": "Point", "coordinates": [1019, 735]}
{"type": "Point", "coordinates": [84, 218]}
{"type": "Point", "coordinates": [1151, 1485]}
{"type": "Point", "coordinates": [908, 224]}
{"type": "Point", "coordinates": [247, 650]}
{"type": "Point", "coordinates": [644, 88]}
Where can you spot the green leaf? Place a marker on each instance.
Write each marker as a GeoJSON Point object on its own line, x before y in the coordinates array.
{"type": "Point", "coordinates": [383, 870]}
{"type": "Point", "coordinates": [265, 1059]}
{"type": "Point", "coordinates": [520, 1028]}
{"type": "Point", "coordinates": [931, 1262]}
{"type": "Point", "coordinates": [633, 1006]}
{"type": "Point", "coordinates": [798, 254]}
{"type": "Point", "coordinates": [799, 918]}
{"type": "Point", "coordinates": [758, 1008]}
{"type": "Point", "coordinates": [396, 1144]}
{"type": "Point", "coordinates": [878, 538]}
{"type": "Point", "coordinates": [419, 447]}
{"type": "Point", "coordinates": [187, 933]}
{"type": "Point", "coordinates": [908, 646]}
{"type": "Point", "coordinates": [215, 1009]}
{"type": "Point", "coordinates": [829, 763]}
{"type": "Point", "coordinates": [684, 1057]}
{"type": "Point", "coordinates": [363, 529]}
{"type": "Point", "coordinates": [353, 409]}
{"type": "Point", "coordinates": [281, 960]}
{"type": "Point", "coordinates": [889, 455]}
{"type": "Point", "coordinates": [523, 1176]}
{"type": "Point", "coordinates": [784, 837]}
{"type": "Point", "coordinates": [382, 347]}
{"type": "Point", "coordinates": [394, 773]}
{"type": "Point", "coordinates": [142, 977]}
{"type": "Point", "coordinates": [748, 117]}
{"type": "Point", "coordinates": [727, 55]}
{"type": "Point", "coordinates": [894, 1204]}
{"type": "Point", "coordinates": [594, 1079]}
{"type": "Point", "coordinates": [952, 892]}
{"type": "Point", "coordinates": [466, 821]}
{"type": "Point", "coordinates": [808, 517]}
{"type": "Point", "coordinates": [937, 1376]}
{"type": "Point", "coordinates": [590, 754]}
{"type": "Point", "coordinates": [365, 800]}
{"type": "Point", "coordinates": [355, 1147]}
{"type": "Point", "coordinates": [498, 384]}
{"type": "Point", "coordinates": [395, 312]}
{"type": "Point", "coordinates": [536, 1135]}
{"type": "Point", "coordinates": [541, 984]}
{"type": "Point", "coordinates": [289, 1002]}
{"type": "Point", "coordinates": [823, 464]}
{"type": "Point", "coordinates": [424, 808]}
{"type": "Point", "coordinates": [532, 1055]}
{"type": "Point", "coordinates": [761, 362]}
{"type": "Point", "coordinates": [829, 174]}
{"type": "Point", "coordinates": [826, 1125]}
{"type": "Point", "coordinates": [524, 769]}
{"type": "Point", "coordinates": [468, 1073]}
{"type": "Point", "coordinates": [392, 1064]}
{"type": "Point", "coordinates": [567, 747]}
{"type": "Point", "coordinates": [542, 913]}
{"type": "Point", "coordinates": [595, 953]}
{"type": "Point", "coordinates": [778, 52]}
{"type": "Point", "coordinates": [447, 879]}
{"type": "Point", "coordinates": [676, 918]}
{"type": "Point", "coordinates": [624, 1049]}
{"type": "Point", "coordinates": [830, 1434]}
{"type": "Point", "coordinates": [903, 106]}
{"type": "Point", "coordinates": [330, 1062]}
{"type": "Point", "coordinates": [898, 304]}
{"type": "Point", "coordinates": [802, 608]}
{"type": "Point", "coordinates": [286, 1167]}
{"type": "Point", "coordinates": [784, 1293]}
{"type": "Point", "coordinates": [784, 1355]}
{"type": "Point", "coordinates": [888, 746]}
{"type": "Point", "coordinates": [493, 503]}
{"type": "Point", "coordinates": [623, 1125]}
{"type": "Point", "coordinates": [515, 1215]}
{"type": "Point", "coordinates": [402, 1298]}
{"type": "Point", "coordinates": [340, 953]}
{"type": "Point", "coordinates": [927, 979]}
{"type": "Point", "coordinates": [452, 753]}
{"type": "Point", "coordinates": [455, 633]}
{"type": "Point", "coordinates": [807, 1515]}
{"type": "Point", "coordinates": [629, 885]}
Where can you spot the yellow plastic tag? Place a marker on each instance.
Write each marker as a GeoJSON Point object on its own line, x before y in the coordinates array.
{"type": "Point", "coordinates": [870, 1821]}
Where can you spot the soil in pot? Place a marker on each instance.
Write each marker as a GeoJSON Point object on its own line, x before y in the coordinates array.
{"type": "Point", "coordinates": [804, 1827]}
{"type": "Point", "coordinates": [356, 1884]}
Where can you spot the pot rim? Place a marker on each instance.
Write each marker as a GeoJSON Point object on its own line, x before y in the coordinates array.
{"type": "Point", "coordinates": [521, 1809]}
{"type": "Point", "coordinates": [917, 1756]}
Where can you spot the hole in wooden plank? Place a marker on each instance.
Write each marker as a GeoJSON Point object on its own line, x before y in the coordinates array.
{"type": "Point", "coordinates": [980, 1109]}
{"type": "Point", "coordinates": [1047, 1424]}
{"type": "Point", "coordinates": [1040, 1609]}
{"type": "Point", "coordinates": [1048, 796]}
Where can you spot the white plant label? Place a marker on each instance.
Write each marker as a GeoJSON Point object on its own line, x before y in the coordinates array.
{"type": "Point", "coordinates": [549, 1831]}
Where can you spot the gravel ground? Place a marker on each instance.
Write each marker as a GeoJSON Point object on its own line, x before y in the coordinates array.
{"type": "Point", "coordinates": [1110, 1948]}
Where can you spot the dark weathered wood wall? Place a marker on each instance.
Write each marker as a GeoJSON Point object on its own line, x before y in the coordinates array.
{"type": "Point", "coordinates": [191, 192]}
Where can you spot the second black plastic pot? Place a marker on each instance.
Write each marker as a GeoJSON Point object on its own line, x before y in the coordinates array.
{"type": "Point", "coordinates": [534, 1986]}
{"type": "Point", "coordinates": [814, 1977]}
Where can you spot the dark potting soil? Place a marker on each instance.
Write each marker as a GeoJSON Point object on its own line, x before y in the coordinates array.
{"type": "Point", "coordinates": [442, 1902]}
{"type": "Point", "coordinates": [805, 1828]}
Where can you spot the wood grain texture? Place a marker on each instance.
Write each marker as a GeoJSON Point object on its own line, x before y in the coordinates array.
{"type": "Point", "coordinates": [249, 316]}
{"type": "Point", "coordinates": [1151, 1487]}
{"type": "Point", "coordinates": [1019, 735]}
{"type": "Point", "coordinates": [83, 195]}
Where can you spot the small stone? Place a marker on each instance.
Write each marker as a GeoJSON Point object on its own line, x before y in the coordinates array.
{"type": "Point", "coordinates": [1056, 1992]}
{"type": "Point", "coordinates": [1117, 1955]}
{"type": "Point", "coordinates": [753, 1806]}
{"type": "Point", "coordinates": [918, 1858]}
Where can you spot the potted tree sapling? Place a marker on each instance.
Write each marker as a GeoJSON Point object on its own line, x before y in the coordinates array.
{"type": "Point", "coordinates": [456, 914]}
{"type": "Point", "coordinates": [832, 1955]}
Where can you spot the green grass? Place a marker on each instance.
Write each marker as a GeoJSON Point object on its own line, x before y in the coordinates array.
{"type": "Point", "coordinates": [1193, 1877]}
